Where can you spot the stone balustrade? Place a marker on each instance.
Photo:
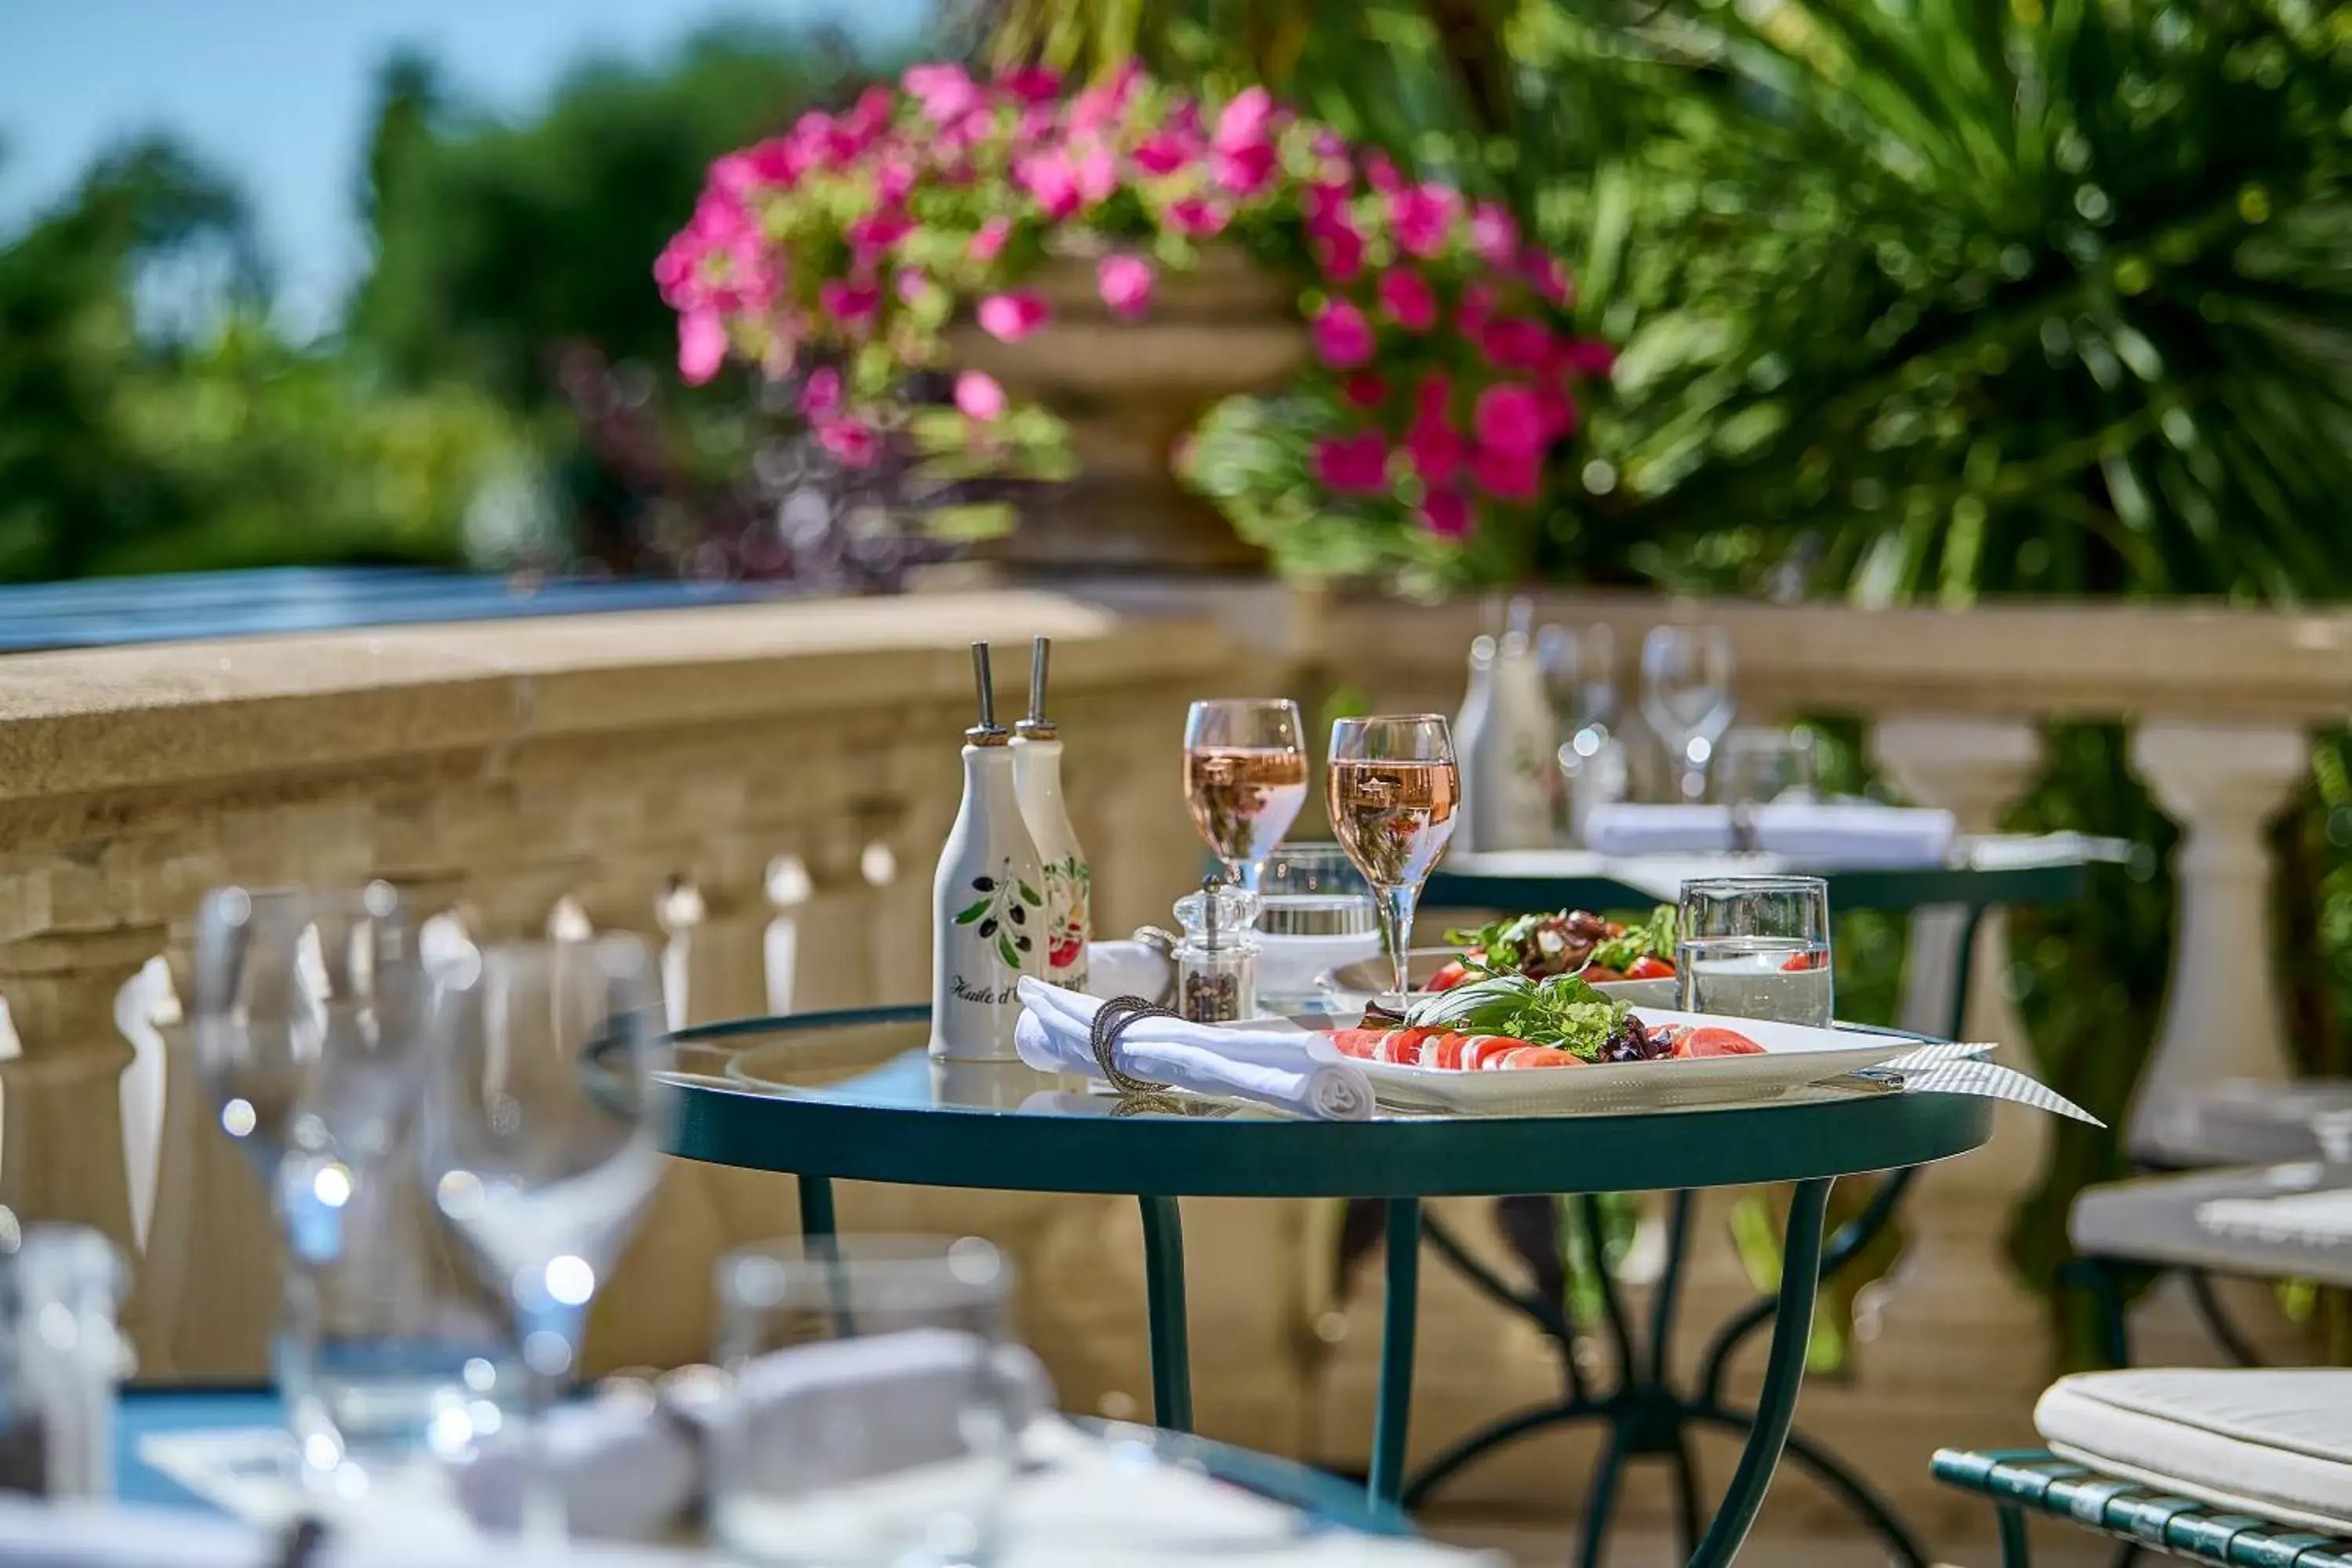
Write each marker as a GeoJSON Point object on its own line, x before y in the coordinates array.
{"type": "Point", "coordinates": [762, 791]}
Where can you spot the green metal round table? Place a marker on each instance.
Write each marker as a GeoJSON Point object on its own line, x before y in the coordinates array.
{"type": "Point", "coordinates": [831, 1096]}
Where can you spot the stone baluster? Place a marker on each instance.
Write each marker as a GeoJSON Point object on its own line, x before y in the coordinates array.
{"type": "Point", "coordinates": [2222, 782]}
{"type": "Point", "coordinates": [1960, 1327]}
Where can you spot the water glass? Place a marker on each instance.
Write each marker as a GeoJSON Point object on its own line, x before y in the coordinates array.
{"type": "Point", "coordinates": [1686, 698]}
{"type": "Point", "coordinates": [1756, 947]}
{"type": "Point", "coordinates": [874, 1415]}
{"type": "Point", "coordinates": [540, 1137]}
{"type": "Point", "coordinates": [386, 1350]}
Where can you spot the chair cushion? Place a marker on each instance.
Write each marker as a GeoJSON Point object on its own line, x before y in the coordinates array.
{"type": "Point", "coordinates": [2272, 1443]}
{"type": "Point", "coordinates": [2293, 1220]}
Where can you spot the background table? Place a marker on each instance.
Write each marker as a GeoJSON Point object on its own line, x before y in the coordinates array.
{"type": "Point", "coordinates": [1948, 903]}
{"type": "Point", "coordinates": [854, 1096]}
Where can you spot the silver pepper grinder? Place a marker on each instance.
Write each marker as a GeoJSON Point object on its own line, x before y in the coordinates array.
{"type": "Point", "coordinates": [1069, 880]}
{"type": "Point", "coordinates": [988, 911]}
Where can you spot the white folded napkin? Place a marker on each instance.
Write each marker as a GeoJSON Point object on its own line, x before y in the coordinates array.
{"type": "Point", "coordinates": [1808, 833]}
{"type": "Point", "coordinates": [1269, 1067]}
{"type": "Point", "coordinates": [1129, 969]}
{"type": "Point", "coordinates": [837, 1412]}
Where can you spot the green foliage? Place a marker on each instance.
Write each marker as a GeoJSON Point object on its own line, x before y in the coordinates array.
{"type": "Point", "coordinates": [497, 244]}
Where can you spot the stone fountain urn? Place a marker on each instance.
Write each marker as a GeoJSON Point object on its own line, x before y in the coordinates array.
{"type": "Point", "coordinates": [1131, 392]}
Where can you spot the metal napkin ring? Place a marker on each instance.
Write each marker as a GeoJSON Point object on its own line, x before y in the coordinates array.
{"type": "Point", "coordinates": [1113, 1019]}
{"type": "Point", "coordinates": [1162, 940]}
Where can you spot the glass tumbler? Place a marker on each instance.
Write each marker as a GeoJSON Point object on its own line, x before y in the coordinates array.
{"type": "Point", "coordinates": [1755, 947]}
{"type": "Point", "coordinates": [873, 1415]}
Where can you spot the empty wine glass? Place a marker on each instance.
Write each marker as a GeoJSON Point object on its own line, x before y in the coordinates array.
{"type": "Point", "coordinates": [309, 1033]}
{"type": "Point", "coordinates": [540, 1137]}
{"type": "Point", "coordinates": [1394, 792]}
{"type": "Point", "coordinates": [296, 982]}
{"type": "Point", "coordinates": [1579, 673]}
{"type": "Point", "coordinates": [1244, 778]}
{"type": "Point", "coordinates": [1686, 697]}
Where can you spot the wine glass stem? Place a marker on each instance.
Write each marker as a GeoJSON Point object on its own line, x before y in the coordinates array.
{"type": "Point", "coordinates": [1396, 906]}
{"type": "Point", "coordinates": [551, 1346]}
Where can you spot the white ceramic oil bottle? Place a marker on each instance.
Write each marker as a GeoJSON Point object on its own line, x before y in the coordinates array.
{"type": "Point", "coordinates": [1069, 880]}
{"type": "Point", "coordinates": [988, 912]}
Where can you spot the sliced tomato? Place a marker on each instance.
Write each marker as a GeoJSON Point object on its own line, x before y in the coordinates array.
{"type": "Point", "coordinates": [1806, 961]}
{"type": "Point", "coordinates": [1447, 978]}
{"type": "Point", "coordinates": [1534, 1057]}
{"type": "Point", "coordinates": [1650, 967]}
{"type": "Point", "coordinates": [1601, 974]}
{"type": "Point", "coordinates": [1714, 1042]}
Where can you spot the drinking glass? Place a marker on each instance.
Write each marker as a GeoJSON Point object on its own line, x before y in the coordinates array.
{"type": "Point", "coordinates": [307, 1018]}
{"type": "Point", "coordinates": [1686, 697]}
{"type": "Point", "coordinates": [310, 1035]}
{"type": "Point", "coordinates": [1755, 947]}
{"type": "Point", "coordinates": [1764, 765]}
{"type": "Point", "coordinates": [1244, 778]}
{"type": "Point", "coordinates": [875, 1409]}
{"type": "Point", "coordinates": [1394, 790]}
{"type": "Point", "coordinates": [540, 1136]}
{"type": "Point", "coordinates": [1580, 674]}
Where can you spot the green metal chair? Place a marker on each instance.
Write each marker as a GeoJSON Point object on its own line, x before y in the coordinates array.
{"type": "Point", "coordinates": [2023, 1481]}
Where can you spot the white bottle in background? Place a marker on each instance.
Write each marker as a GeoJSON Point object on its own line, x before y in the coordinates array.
{"type": "Point", "coordinates": [1503, 742]}
{"type": "Point", "coordinates": [988, 909]}
{"type": "Point", "coordinates": [1474, 740]}
{"type": "Point", "coordinates": [1519, 815]}
{"type": "Point", "coordinates": [1069, 880]}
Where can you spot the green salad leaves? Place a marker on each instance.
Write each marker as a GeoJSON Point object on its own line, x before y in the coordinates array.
{"type": "Point", "coordinates": [1561, 1011]}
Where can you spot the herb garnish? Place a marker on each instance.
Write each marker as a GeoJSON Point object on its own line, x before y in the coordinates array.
{"type": "Point", "coordinates": [1563, 1011]}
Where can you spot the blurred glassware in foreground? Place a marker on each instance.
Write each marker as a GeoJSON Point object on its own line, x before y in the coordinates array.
{"type": "Point", "coordinates": [61, 1358]}
{"type": "Point", "coordinates": [1688, 699]}
{"type": "Point", "coordinates": [1762, 765]}
{"type": "Point", "coordinates": [1755, 947]}
{"type": "Point", "coordinates": [540, 1135]}
{"type": "Point", "coordinates": [310, 1032]}
{"type": "Point", "coordinates": [809, 1467]}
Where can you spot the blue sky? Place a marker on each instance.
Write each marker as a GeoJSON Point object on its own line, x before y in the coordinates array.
{"type": "Point", "coordinates": [275, 92]}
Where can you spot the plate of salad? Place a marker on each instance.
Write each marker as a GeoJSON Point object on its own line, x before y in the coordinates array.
{"type": "Point", "coordinates": [1506, 1043]}
{"type": "Point", "coordinates": [1634, 961]}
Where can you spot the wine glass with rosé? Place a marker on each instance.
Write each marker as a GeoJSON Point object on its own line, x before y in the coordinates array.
{"type": "Point", "coordinates": [1395, 789]}
{"type": "Point", "coordinates": [1244, 778]}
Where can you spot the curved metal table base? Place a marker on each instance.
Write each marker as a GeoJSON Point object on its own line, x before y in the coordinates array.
{"type": "Point", "coordinates": [1648, 1417]}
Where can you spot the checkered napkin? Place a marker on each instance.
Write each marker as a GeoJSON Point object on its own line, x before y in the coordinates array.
{"type": "Point", "coordinates": [1957, 1066]}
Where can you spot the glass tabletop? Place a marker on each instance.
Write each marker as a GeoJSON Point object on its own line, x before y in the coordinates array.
{"type": "Point", "coordinates": [853, 1095]}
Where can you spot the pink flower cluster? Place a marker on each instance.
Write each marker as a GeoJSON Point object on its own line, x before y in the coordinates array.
{"type": "Point", "coordinates": [845, 249]}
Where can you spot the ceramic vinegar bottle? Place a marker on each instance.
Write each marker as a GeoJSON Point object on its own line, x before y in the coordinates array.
{"type": "Point", "coordinates": [988, 912]}
{"type": "Point", "coordinates": [1069, 880]}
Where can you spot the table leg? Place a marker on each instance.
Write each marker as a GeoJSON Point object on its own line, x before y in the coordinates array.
{"type": "Point", "coordinates": [816, 1205]}
{"type": "Point", "coordinates": [1784, 1371]}
{"type": "Point", "coordinates": [1402, 1308]}
{"type": "Point", "coordinates": [1163, 1290]}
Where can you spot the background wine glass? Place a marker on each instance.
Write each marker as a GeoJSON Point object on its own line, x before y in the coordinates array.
{"type": "Point", "coordinates": [540, 1136]}
{"type": "Point", "coordinates": [1686, 697]}
{"type": "Point", "coordinates": [1394, 792]}
{"type": "Point", "coordinates": [1244, 778]}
